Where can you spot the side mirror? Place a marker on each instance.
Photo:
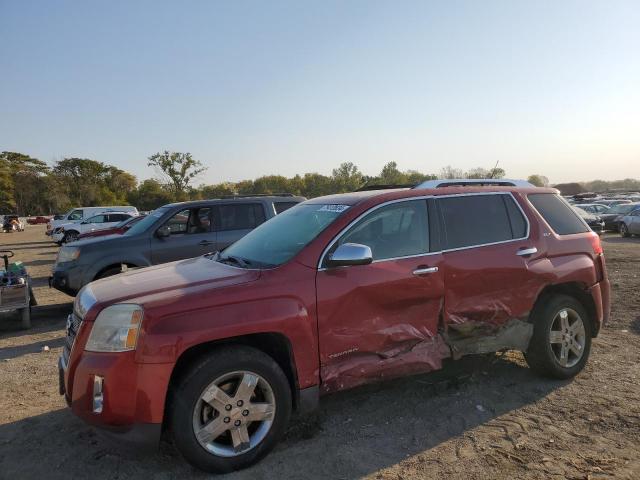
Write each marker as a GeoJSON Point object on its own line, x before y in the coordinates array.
{"type": "Point", "coordinates": [163, 232]}
{"type": "Point", "coordinates": [84, 223]}
{"type": "Point", "coordinates": [350, 254]}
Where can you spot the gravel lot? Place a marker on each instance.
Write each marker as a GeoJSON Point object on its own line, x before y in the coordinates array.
{"type": "Point", "coordinates": [483, 417]}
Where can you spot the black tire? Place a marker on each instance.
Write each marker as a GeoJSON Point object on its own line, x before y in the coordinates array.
{"type": "Point", "coordinates": [540, 355]}
{"type": "Point", "coordinates": [624, 230]}
{"type": "Point", "coordinates": [26, 318]}
{"type": "Point", "coordinates": [70, 236]}
{"type": "Point", "coordinates": [110, 272]}
{"type": "Point", "coordinates": [186, 395]}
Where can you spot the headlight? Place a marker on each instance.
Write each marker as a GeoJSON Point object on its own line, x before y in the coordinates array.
{"type": "Point", "coordinates": [116, 329]}
{"type": "Point", "coordinates": [68, 254]}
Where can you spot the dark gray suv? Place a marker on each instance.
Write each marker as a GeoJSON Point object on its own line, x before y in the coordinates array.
{"type": "Point", "coordinates": [172, 232]}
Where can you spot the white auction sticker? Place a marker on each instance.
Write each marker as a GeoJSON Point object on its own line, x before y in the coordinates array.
{"type": "Point", "coordinates": [333, 208]}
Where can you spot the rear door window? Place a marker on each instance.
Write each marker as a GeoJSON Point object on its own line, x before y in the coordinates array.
{"type": "Point", "coordinates": [241, 216]}
{"type": "Point", "coordinates": [557, 213]}
{"type": "Point", "coordinates": [473, 220]}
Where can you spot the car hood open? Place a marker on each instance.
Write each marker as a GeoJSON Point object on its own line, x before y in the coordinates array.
{"type": "Point", "coordinates": [169, 278]}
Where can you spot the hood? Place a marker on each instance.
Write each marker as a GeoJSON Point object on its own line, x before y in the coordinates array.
{"type": "Point", "coordinates": [168, 278]}
{"type": "Point", "coordinates": [92, 239]}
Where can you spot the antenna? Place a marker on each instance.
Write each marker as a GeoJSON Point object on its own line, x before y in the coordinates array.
{"type": "Point", "coordinates": [493, 172]}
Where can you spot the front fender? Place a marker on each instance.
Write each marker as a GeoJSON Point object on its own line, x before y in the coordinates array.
{"type": "Point", "coordinates": [138, 260]}
{"type": "Point", "coordinates": [174, 325]}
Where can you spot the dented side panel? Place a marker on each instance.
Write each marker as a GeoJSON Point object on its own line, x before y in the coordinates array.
{"type": "Point", "coordinates": [488, 286]}
{"type": "Point", "coordinates": [379, 320]}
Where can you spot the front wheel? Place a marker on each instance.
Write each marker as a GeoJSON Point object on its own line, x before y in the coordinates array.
{"type": "Point", "coordinates": [230, 409]}
{"type": "Point", "coordinates": [561, 339]}
{"type": "Point", "coordinates": [624, 230]}
{"type": "Point", "coordinates": [70, 237]}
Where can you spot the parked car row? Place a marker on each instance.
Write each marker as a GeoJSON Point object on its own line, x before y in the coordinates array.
{"type": "Point", "coordinates": [331, 293]}
{"type": "Point", "coordinates": [169, 233]}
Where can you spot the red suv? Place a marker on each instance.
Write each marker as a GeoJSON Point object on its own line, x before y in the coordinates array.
{"type": "Point", "coordinates": [336, 292]}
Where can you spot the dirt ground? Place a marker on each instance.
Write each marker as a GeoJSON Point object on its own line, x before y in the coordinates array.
{"type": "Point", "coordinates": [483, 417]}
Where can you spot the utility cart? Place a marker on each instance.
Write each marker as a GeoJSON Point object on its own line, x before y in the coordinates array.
{"type": "Point", "coordinates": [15, 289]}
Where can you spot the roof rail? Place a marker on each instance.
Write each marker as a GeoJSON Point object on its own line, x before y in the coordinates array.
{"type": "Point", "coordinates": [473, 182]}
{"type": "Point", "coordinates": [366, 188]}
{"type": "Point", "coordinates": [226, 197]}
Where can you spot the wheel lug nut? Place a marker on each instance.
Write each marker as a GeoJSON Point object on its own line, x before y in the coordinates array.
{"type": "Point", "coordinates": [240, 403]}
{"type": "Point", "coordinates": [237, 423]}
{"type": "Point", "coordinates": [227, 407]}
{"type": "Point", "coordinates": [227, 419]}
{"type": "Point", "coordinates": [245, 413]}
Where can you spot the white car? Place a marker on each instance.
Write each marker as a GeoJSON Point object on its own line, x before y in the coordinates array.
{"type": "Point", "coordinates": [77, 215]}
{"type": "Point", "coordinates": [69, 232]}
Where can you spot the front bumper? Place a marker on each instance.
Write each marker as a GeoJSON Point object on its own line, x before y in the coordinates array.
{"type": "Point", "coordinates": [133, 395]}
{"type": "Point", "coordinates": [57, 237]}
{"type": "Point", "coordinates": [61, 280]}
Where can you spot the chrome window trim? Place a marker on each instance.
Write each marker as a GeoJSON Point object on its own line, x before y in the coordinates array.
{"type": "Point", "coordinates": [426, 197]}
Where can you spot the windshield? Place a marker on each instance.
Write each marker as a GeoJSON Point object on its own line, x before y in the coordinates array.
{"type": "Point", "coordinates": [622, 208]}
{"type": "Point", "coordinates": [147, 221]}
{"type": "Point", "coordinates": [281, 238]}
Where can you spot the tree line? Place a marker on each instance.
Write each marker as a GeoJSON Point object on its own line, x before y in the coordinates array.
{"type": "Point", "coordinates": [29, 186]}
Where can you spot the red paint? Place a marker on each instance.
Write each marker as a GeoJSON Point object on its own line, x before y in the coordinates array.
{"type": "Point", "coordinates": [345, 326]}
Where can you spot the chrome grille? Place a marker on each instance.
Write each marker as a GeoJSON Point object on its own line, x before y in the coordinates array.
{"type": "Point", "coordinates": [73, 325]}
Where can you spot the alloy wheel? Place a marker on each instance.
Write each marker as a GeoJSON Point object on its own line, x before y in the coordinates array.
{"type": "Point", "coordinates": [234, 413]}
{"type": "Point", "coordinates": [567, 337]}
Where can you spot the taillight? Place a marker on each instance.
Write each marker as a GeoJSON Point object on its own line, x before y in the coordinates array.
{"type": "Point", "coordinates": [595, 244]}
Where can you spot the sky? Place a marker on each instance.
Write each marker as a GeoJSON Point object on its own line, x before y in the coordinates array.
{"type": "Point", "coordinates": [253, 88]}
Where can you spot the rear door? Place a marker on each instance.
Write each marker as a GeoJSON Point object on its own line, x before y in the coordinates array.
{"type": "Point", "coordinates": [233, 221]}
{"type": "Point", "coordinates": [488, 246]}
{"type": "Point", "coordinates": [381, 320]}
{"type": "Point", "coordinates": [191, 236]}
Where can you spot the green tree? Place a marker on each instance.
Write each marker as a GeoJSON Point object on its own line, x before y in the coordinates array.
{"type": "Point", "coordinates": [390, 175]}
{"type": "Point", "coordinates": [347, 177]}
{"type": "Point", "coordinates": [538, 180]}
{"type": "Point", "coordinates": [150, 195]}
{"type": "Point", "coordinates": [178, 169]}
{"type": "Point", "coordinates": [317, 185]}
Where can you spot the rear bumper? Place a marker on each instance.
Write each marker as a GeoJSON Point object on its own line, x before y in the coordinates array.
{"type": "Point", "coordinates": [600, 293]}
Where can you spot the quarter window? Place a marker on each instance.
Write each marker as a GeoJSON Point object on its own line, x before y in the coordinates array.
{"type": "Point", "coordinates": [558, 213]}
{"type": "Point", "coordinates": [472, 220]}
{"type": "Point", "coordinates": [396, 230]}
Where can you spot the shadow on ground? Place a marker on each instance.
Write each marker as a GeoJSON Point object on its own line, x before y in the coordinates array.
{"type": "Point", "coordinates": [354, 433]}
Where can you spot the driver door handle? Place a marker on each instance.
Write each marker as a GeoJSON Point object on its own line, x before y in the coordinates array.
{"type": "Point", "coordinates": [423, 269]}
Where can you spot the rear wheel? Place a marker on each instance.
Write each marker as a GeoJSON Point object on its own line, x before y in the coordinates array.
{"type": "Point", "coordinates": [624, 230]}
{"type": "Point", "coordinates": [230, 409]}
{"type": "Point", "coordinates": [561, 339]}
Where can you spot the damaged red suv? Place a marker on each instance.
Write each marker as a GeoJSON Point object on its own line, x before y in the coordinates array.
{"type": "Point", "coordinates": [333, 293]}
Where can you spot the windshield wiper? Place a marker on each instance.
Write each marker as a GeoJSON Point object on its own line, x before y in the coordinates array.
{"type": "Point", "coordinates": [241, 262]}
